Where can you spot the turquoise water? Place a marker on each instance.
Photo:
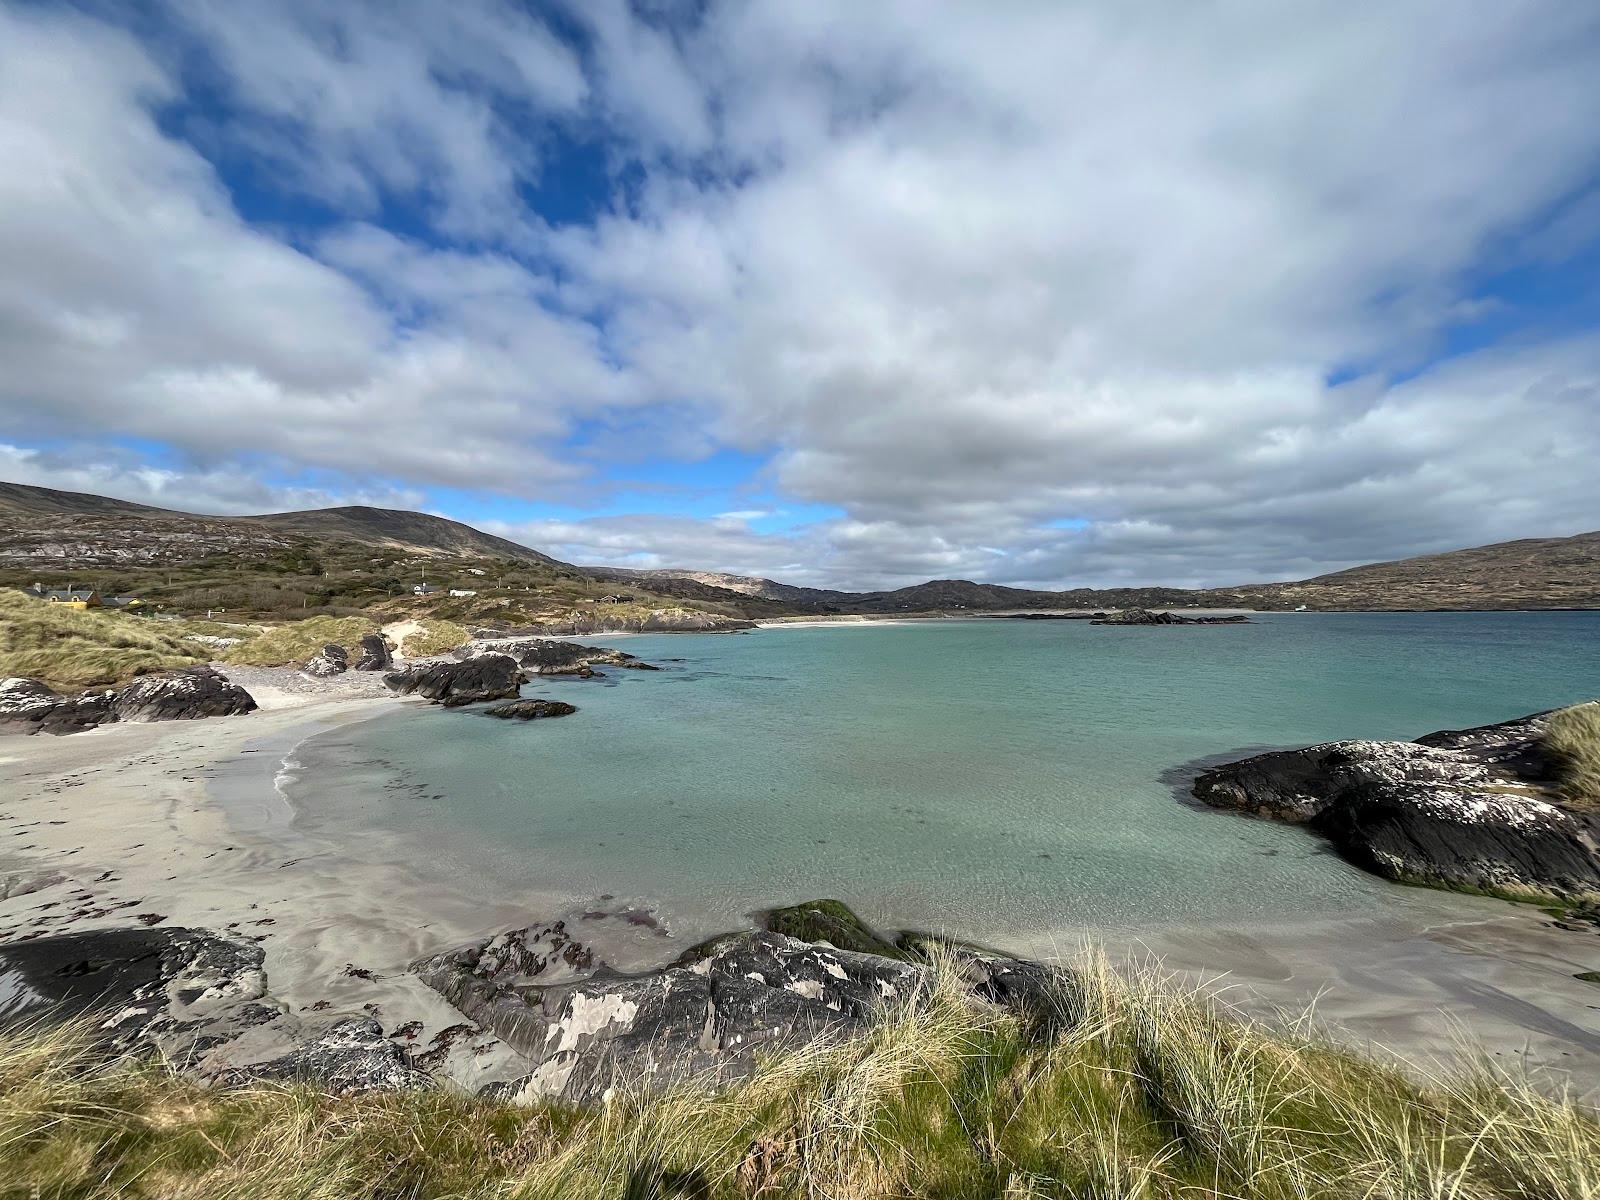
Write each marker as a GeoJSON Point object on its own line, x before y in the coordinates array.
{"type": "Point", "coordinates": [988, 778]}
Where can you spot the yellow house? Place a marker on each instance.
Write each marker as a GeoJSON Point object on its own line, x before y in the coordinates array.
{"type": "Point", "coordinates": [73, 597]}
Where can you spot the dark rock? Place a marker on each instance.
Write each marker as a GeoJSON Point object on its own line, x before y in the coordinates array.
{"type": "Point", "coordinates": [1471, 810]}
{"type": "Point", "coordinates": [485, 677]}
{"type": "Point", "coordinates": [1143, 616]}
{"type": "Point", "coordinates": [541, 656]}
{"type": "Point", "coordinates": [703, 1019]}
{"type": "Point", "coordinates": [184, 695]}
{"type": "Point", "coordinates": [193, 998]}
{"type": "Point", "coordinates": [29, 706]}
{"type": "Point", "coordinates": [375, 654]}
{"type": "Point", "coordinates": [352, 1056]}
{"type": "Point", "coordinates": [531, 710]}
{"type": "Point", "coordinates": [330, 660]}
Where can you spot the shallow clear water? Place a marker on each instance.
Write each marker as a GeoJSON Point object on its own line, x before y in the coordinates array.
{"type": "Point", "coordinates": [989, 778]}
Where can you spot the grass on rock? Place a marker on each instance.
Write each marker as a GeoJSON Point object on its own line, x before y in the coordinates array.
{"type": "Point", "coordinates": [1138, 1090]}
{"type": "Point", "coordinates": [70, 649]}
{"type": "Point", "coordinates": [1572, 735]}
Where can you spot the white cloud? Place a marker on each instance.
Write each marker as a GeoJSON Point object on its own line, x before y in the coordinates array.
{"type": "Point", "coordinates": [964, 275]}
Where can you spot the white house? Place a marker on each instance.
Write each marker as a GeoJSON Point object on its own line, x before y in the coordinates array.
{"type": "Point", "coordinates": [462, 592]}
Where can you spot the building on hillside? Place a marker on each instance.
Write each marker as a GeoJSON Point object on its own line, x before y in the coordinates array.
{"type": "Point", "coordinates": [425, 589]}
{"type": "Point", "coordinates": [70, 596]}
{"type": "Point", "coordinates": [462, 592]}
{"type": "Point", "coordinates": [126, 603]}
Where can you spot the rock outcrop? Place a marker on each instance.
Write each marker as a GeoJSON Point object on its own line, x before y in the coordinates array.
{"type": "Point", "coordinates": [531, 710]}
{"type": "Point", "coordinates": [1470, 810]}
{"type": "Point", "coordinates": [542, 656]}
{"type": "Point", "coordinates": [330, 660]}
{"type": "Point", "coordinates": [375, 653]}
{"type": "Point", "coordinates": [195, 999]}
{"type": "Point", "coordinates": [484, 677]}
{"type": "Point", "coordinates": [1144, 616]}
{"type": "Point", "coordinates": [658, 620]}
{"type": "Point", "coordinates": [708, 1014]}
{"type": "Point", "coordinates": [28, 706]}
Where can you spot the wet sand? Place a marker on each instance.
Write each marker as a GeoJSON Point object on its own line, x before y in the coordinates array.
{"type": "Point", "coordinates": [182, 822]}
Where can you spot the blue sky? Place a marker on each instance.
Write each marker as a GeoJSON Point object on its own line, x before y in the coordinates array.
{"type": "Point", "coordinates": [850, 295]}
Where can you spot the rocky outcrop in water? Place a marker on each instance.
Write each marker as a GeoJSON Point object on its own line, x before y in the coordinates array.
{"type": "Point", "coordinates": [1471, 810]}
{"type": "Point", "coordinates": [484, 677]}
{"type": "Point", "coordinates": [28, 706]}
{"type": "Point", "coordinates": [195, 999]}
{"type": "Point", "coordinates": [330, 660]}
{"type": "Point", "coordinates": [705, 1016]}
{"type": "Point", "coordinates": [530, 710]}
{"type": "Point", "coordinates": [1144, 616]}
{"type": "Point", "coordinates": [375, 653]}
{"type": "Point", "coordinates": [542, 656]}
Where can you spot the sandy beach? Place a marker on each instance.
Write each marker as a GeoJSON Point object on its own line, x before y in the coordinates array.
{"type": "Point", "coordinates": [181, 824]}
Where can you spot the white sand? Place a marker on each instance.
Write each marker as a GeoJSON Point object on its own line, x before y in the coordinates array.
{"type": "Point", "coordinates": [182, 819]}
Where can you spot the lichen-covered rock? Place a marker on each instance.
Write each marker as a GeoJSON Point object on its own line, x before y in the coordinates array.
{"type": "Point", "coordinates": [375, 653]}
{"type": "Point", "coordinates": [542, 656]}
{"type": "Point", "coordinates": [28, 706]}
{"type": "Point", "coordinates": [330, 660]}
{"type": "Point", "coordinates": [351, 1056]}
{"type": "Point", "coordinates": [197, 1000]}
{"type": "Point", "coordinates": [484, 677]}
{"type": "Point", "coordinates": [704, 1017]}
{"type": "Point", "coordinates": [185, 695]}
{"type": "Point", "coordinates": [531, 710]}
{"type": "Point", "coordinates": [1471, 810]}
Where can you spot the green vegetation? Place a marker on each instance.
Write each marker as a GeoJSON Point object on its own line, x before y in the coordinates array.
{"type": "Point", "coordinates": [299, 640]}
{"type": "Point", "coordinates": [70, 649]}
{"type": "Point", "coordinates": [435, 637]}
{"type": "Point", "coordinates": [1133, 1089]}
{"type": "Point", "coordinates": [1573, 737]}
{"type": "Point", "coordinates": [829, 921]}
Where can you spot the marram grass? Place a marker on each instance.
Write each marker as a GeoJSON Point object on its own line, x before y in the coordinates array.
{"type": "Point", "coordinates": [1572, 735]}
{"type": "Point", "coordinates": [71, 649]}
{"type": "Point", "coordinates": [1136, 1089]}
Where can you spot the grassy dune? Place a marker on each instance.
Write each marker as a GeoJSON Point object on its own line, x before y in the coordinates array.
{"type": "Point", "coordinates": [71, 649]}
{"type": "Point", "coordinates": [299, 640]}
{"type": "Point", "coordinates": [436, 637]}
{"type": "Point", "coordinates": [1134, 1089]}
{"type": "Point", "coordinates": [1573, 736]}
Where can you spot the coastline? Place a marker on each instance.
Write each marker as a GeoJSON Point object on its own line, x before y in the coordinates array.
{"type": "Point", "coordinates": [184, 821]}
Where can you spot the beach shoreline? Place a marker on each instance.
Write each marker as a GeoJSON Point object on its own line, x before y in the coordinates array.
{"type": "Point", "coordinates": [184, 822]}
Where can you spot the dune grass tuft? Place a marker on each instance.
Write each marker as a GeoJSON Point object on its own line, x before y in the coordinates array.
{"type": "Point", "coordinates": [1572, 735]}
{"type": "Point", "coordinates": [70, 649]}
{"type": "Point", "coordinates": [1137, 1089]}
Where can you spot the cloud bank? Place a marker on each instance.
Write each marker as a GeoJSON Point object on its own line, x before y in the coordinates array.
{"type": "Point", "coordinates": [1048, 295]}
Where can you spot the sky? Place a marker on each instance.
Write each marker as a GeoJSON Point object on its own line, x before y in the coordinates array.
{"type": "Point", "coordinates": [849, 295]}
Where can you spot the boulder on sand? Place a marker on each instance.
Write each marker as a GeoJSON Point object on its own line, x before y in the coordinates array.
{"type": "Point", "coordinates": [375, 653]}
{"type": "Point", "coordinates": [330, 660]}
{"type": "Point", "coordinates": [486, 677]}
{"type": "Point", "coordinates": [189, 694]}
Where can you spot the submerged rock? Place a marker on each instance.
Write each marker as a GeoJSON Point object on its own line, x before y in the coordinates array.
{"type": "Point", "coordinates": [485, 677]}
{"type": "Point", "coordinates": [330, 660]}
{"type": "Point", "coordinates": [531, 710]}
{"type": "Point", "coordinates": [1144, 616]}
{"type": "Point", "coordinates": [1471, 810]}
{"type": "Point", "coordinates": [375, 653]}
{"type": "Point", "coordinates": [189, 694]}
{"type": "Point", "coordinates": [542, 656]}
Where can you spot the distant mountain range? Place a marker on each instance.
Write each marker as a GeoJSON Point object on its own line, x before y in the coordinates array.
{"type": "Point", "coordinates": [44, 528]}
